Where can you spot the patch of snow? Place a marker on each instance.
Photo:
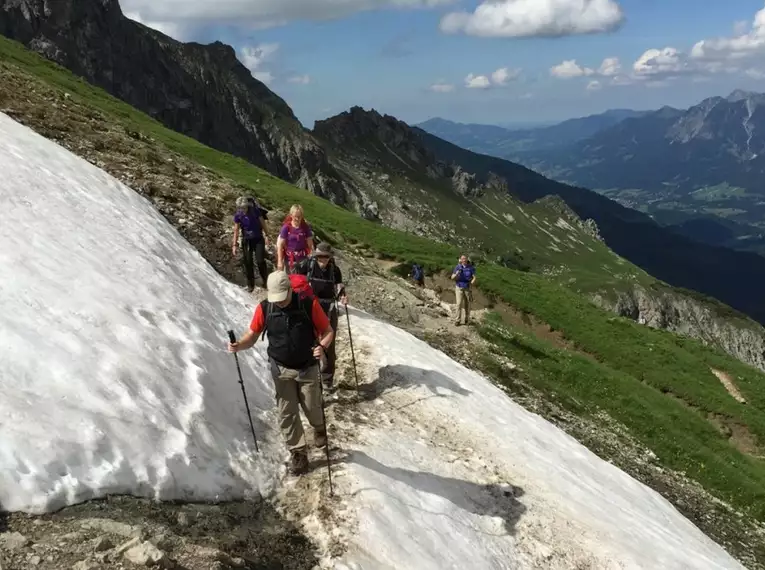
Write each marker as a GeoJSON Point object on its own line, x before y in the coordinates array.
{"type": "Point", "coordinates": [114, 377]}
{"type": "Point", "coordinates": [509, 217]}
{"type": "Point", "coordinates": [563, 224]}
{"type": "Point", "coordinates": [115, 380]}
{"type": "Point", "coordinates": [451, 473]}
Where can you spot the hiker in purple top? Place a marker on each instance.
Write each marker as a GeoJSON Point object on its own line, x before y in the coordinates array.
{"type": "Point", "coordinates": [250, 224]}
{"type": "Point", "coordinates": [295, 241]}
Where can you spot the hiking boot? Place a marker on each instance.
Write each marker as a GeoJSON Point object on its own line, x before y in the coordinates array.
{"type": "Point", "coordinates": [299, 461]}
{"type": "Point", "coordinates": [320, 438]}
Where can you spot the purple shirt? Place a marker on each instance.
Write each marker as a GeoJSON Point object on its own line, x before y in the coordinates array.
{"type": "Point", "coordinates": [296, 238]}
{"type": "Point", "coordinates": [250, 223]}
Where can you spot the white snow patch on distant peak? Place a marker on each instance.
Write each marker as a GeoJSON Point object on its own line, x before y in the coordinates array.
{"type": "Point", "coordinates": [561, 223]}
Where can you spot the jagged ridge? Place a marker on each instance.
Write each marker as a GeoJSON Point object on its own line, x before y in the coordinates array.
{"type": "Point", "coordinates": [200, 90]}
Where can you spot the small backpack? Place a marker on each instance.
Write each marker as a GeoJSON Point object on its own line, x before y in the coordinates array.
{"type": "Point", "coordinates": [416, 272]}
{"type": "Point", "coordinates": [302, 288]}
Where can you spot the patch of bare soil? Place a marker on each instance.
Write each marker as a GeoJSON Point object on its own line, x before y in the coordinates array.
{"type": "Point", "coordinates": [737, 433]}
{"type": "Point", "coordinates": [727, 381]}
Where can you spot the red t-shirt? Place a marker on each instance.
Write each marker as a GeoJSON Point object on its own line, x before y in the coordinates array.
{"type": "Point", "coordinates": [318, 316]}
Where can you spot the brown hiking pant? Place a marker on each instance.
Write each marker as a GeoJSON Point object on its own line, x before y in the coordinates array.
{"type": "Point", "coordinates": [464, 297]}
{"type": "Point", "coordinates": [297, 389]}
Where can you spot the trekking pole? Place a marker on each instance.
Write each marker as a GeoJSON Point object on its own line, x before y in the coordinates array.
{"type": "Point", "coordinates": [232, 338]}
{"type": "Point", "coordinates": [326, 427]}
{"type": "Point", "coordinates": [353, 354]}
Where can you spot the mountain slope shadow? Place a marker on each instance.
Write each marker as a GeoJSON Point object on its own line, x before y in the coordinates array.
{"type": "Point", "coordinates": [404, 376]}
{"type": "Point", "coordinates": [485, 500]}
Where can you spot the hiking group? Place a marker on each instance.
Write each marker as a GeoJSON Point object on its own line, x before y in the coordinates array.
{"type": "Point", "coordinates": [300, 316]}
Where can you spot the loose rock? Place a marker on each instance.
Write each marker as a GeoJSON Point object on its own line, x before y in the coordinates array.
{"type": "Point", "coordinates": [13, 541]}
{"type": "Point", "coordinates": [146, 554]}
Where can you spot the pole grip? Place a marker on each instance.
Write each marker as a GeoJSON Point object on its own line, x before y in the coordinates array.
{"type": "Point", "coordinates": [231, 336]}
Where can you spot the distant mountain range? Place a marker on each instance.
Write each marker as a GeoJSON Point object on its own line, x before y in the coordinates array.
{"type": "Point", "coordinates": [699, 170]}
{"type": "Point", "coordinates": [382, 168]}
{"type": "Point", "coordinates": [504, 142]}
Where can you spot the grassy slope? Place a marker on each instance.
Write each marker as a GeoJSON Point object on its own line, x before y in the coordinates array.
{"type": "Point", "coordinates": [497, 224]}
{"type": "Point", "coordinates": [633, 365]}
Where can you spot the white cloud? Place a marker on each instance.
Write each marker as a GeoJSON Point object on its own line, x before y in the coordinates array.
{"type": "Point", "coordinates": [503, 75]}
{"type": "Point", "coordinates": [527, 96]}
{"type": "Point", "coordinates": [253, 58]}
{"type": "Point", "coordinates": [264, 76]}
{"type": "Point", "coordinates": [610, 67]}
{"type": "Point", "coordinates": [524, 18]}
{"type": "Point", "coordinates": [667, 61]}
{"type": "Point", "coordinates": [441, 87]}
{"type": "Point", "coordinates": [260, 13]}
{"type": "Point", "coordinates": [594, 85]}
{"type": "Point", "coordinates": [755, 73]}
{"type": "Point", "coordinates": [568, 69]}
{"type": "Point", "coordinates": [477, 82]}
{"type": "Point", "coordinates": [175, 31]}
{"type": "Point", "coordinates": [744, 44]}
{"type": "Point", "coordinates": [301, 79]}
{"type": "Point", "coordinates": [498, 78]}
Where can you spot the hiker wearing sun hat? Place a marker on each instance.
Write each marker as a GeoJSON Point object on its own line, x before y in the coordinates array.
{"type": "Point", "coordinates": [293, 325]}
{"type": "Point", "coordinates": [326, 281]}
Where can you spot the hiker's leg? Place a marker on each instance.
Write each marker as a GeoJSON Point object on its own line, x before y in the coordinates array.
{"type": "Point", "coordinates": [249, 270]}
{"type": "Point", "coordinates": [288, 400]}
{"type": "Point", "coordinates": [468, 302]}
{"type": "Point", "coordinates": [310, 396]}
{"type": "Point", "coordinates": [260, 260]}
{"type": "Point", "coordinates": [460, 296]}
{"type": "Point", "coordinates": [329, 373]}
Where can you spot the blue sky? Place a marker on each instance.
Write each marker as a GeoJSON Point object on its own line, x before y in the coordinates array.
{"type": "Point", "coordinates": [410, 59]}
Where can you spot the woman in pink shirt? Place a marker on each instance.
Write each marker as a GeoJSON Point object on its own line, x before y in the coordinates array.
{"type": "Point", "coordinates": [295, 241]}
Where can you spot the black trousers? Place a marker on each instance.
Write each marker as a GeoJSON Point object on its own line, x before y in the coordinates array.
{"type": "Point", "coordinates": [330, 309]}
{"type": "Point", "coordinates": [254, 253]}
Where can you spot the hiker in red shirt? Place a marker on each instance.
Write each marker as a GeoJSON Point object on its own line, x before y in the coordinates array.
{"type": "Point", "coordinates": [293, 325]}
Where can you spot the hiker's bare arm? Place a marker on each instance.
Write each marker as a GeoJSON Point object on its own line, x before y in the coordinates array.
{"type": "Point", "coordinates": [327, 337]}
{"type": "Point", "coordinates": [280, 252]}
{"type": "Point", "coordinates": [247, 341]}
{"type": "Point", "coordinates": [235, 241]}
{"type": "Point", "coordinates": [309, 243]}
{"type": "Point", "coordinates": [264, 225]}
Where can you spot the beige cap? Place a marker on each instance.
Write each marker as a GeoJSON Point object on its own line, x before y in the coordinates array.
{"type": "Point", "coordinates": [278, 286]}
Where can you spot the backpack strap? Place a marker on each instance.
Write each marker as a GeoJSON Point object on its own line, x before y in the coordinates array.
{"type": "Point", "coordinates": [265, 307]}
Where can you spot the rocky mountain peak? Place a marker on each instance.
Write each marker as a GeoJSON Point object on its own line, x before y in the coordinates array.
{"type": "Point", "coordinates": [202, 91]}
{"type": "Point", "coordinates": [358, 123]}
{"type": "Point", "coordinates": [741, 95]}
